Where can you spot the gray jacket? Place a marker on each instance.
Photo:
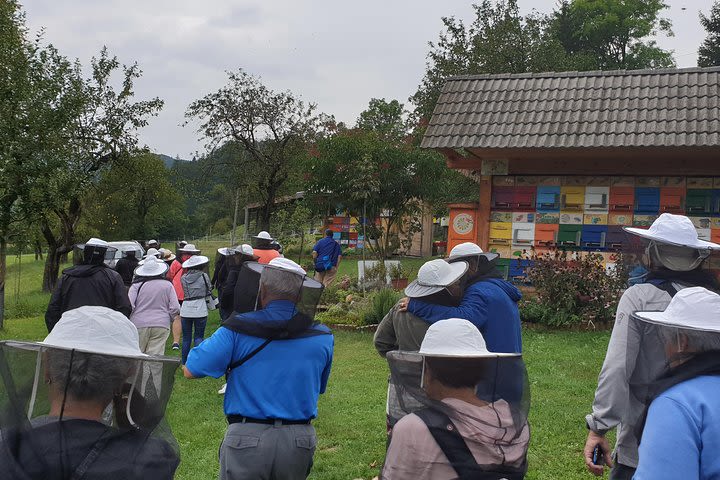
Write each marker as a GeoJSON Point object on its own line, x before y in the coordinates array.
{"type": "Point", "coordinates": [196, 287]}
{"type": "Point", "coordinates": [613, 405]}
{"type": "Point", "coordinates": [400, 331]}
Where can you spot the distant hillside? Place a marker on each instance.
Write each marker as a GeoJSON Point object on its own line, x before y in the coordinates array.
{"type": "Point", "coordinates": [170, 161]}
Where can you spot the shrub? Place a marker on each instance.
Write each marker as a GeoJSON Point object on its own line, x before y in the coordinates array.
{"type": "Point", "coordinates": [379, 304]}
{"type": "Point", "coordinates": [572, 290]}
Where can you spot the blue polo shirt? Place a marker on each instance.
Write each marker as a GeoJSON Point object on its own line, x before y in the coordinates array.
{"type": "Point", "coordinates": [329, 249]}
{"type": "Point", "coordinates": [284, 380]}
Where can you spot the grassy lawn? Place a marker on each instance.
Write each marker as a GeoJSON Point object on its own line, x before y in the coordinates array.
{"type": "Point", "coordinates": [563, 368]}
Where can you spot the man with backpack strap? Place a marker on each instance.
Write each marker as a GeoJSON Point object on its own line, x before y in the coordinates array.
{"type": "Point", "coordinates": [326, 255]}
{"type": "Point", "coordinates": [277, 362]}
{"type": "Point", "coordinates": [673, 255]}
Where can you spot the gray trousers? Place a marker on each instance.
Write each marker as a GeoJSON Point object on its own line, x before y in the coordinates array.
{"type": "Point", "coordinates": [621, 472]}
{"type": "Point", "coordinates": [267, 452]}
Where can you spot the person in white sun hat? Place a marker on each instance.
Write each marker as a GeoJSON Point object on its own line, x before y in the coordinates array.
{"type": "Point", "coordinates": [185, 251]}
{"type": "Point", "coordinates": [264, 249]}
{"type": "Point", "coordinates": [677, 375]}
{"type": "Point", "coordinates": [465, 427]}
{"type": "Point", "coordinates": [488, 301]}
{"type": "Point", "coordinates": [673, 255]}
{"type": "Point", "coordinates": [438, 283]}
{"type": "Point", "coordinates": [155, 305]}
{"type": "Point", "coordinates": [197, 292]}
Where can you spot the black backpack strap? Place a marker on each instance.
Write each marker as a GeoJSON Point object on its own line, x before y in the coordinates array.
{"type": "Point", "coordinates": [450, 442]}
{"type": "Point", "coordinates": [247, 357]}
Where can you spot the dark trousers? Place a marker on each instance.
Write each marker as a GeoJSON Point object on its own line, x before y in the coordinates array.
{"type": "Point", "coordinates": [621, 472]}
{"type": "Point", "coordinates": [188, 338]}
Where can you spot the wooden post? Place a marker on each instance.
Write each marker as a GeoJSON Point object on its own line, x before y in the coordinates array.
{"type": "Point", "coordinates": [483, 217]}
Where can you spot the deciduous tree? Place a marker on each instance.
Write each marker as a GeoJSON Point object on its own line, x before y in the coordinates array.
{"type": "Point", "coordinates": [709, 51]}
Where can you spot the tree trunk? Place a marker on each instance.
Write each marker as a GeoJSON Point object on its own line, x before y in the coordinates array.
{"type": "Point", "coordinates": [52, 260]}
{"type": "Point", "coordinates": [58, 249]}
{"type": "Point", "coordinates": [3, 272]}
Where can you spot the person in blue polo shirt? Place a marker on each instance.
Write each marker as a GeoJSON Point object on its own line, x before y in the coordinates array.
{"type": "Point", "coordinates": [277, 362]}
{"type": "Point", "coordinates": [326, 255]}
{"type": "Point", "coordinates": [489, 302]}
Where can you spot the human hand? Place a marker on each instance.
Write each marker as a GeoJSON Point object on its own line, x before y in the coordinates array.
{"type": "Point", "coordinates": [594, 439]}
{"type": "Point", "coordinates": [403, 304]}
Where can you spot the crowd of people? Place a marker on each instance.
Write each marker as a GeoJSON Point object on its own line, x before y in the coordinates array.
{"type": "Point", "coordinates": [458, 393]}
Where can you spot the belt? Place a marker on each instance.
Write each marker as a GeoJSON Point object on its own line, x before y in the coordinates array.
{"type": "Point", "coordinates": [265, 421]}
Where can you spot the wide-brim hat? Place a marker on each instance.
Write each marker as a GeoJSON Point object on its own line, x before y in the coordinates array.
{"type": "Point", "coordinates": [151, 267]}
{"type": "Point", "coordinates": [259, 267]}
{"type": "Point", "coordinates": [152, 252]}
{"type": "Point", "coordinates": [94, 329]}
{"type": "Point", "coordinates": [675, 230]}
{"type": "Point", "coordinates": [195, 261]}
{"type": "Point", "coordinates": [263, 236]}
{"type": "Point", "coordinates": [189, 248]}
{"type": "Point", "coordinates": [434, 276]}
{"type": "Point", "coordinates": [457, 338]}
{"type": "Point", "coordinates": [468, 249]}
{"type": "Point", "coordinates": [166, 255]}
{"type": "Point", "coordinates": [225, 251]}
{"type": "Point", "coordinates": [694, 308]}
{"type": "Point", "coordinates": [246, 250]}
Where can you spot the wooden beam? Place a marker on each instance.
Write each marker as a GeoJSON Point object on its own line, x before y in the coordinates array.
{"type": "Point", "coordinates": [456, 161]}
{"type": "Point", "coordinates": [483, 217]}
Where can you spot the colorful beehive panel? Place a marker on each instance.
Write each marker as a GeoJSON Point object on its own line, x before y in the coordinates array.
{"type": "Point", "coordinates": [622, 199]}
{"type": "Point", "coordinates": [548, 199]}
{"type": "Point", "coordinates": [672, 200]}
{"type": "Point", "coordinates": [523, 199]}
{"type": "Point", "coordinates": [523, 233]}
{"type": "Point", "coordinates": [569, 235]}
{"type": "Point", "coordinates": [716, 202]}
{"type": "Point", "coordinates": [546, 234]}
{"type": "Point", "coordinates": [615, 237]}
{"type": "Point", "coordinates": [572, 198]}
{"type": "Point", "coordinates": [593, 236]}
{"type": "Point", "coordinates": [503, 198]}
{"type": "Point", "coordinates": [698, 201]}
{"type": "Point", "coordinates": [500, 233]}
{"type": "Point", "coordinates": [597, 199]}
{"type": "Point", "coordinates": [647, 200]}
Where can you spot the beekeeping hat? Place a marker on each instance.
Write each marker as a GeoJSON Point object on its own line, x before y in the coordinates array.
{"type": "Point", "coordinates": [92, 252]}
{"type": "Point", "coordinates": [468, 250]}
{"type": "Point", "coordinates": [151, 267]}
{"type": "Point", "coordinates": [677, 230]}
{"type": "Point", "coordinates": [189, 248]}
{"type": "Point", "coordinates": [434, 276]}
{"type": "Point", "coordinates": [263, 235]}
{"type": "Point", "coordinates": [456, 337]}
{"type": "Point", "coordinates": [195, 261]}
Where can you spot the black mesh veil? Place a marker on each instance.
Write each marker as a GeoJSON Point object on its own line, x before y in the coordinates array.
{"type": "Point", "coordinates": [493, 426]}
{"type": "Point", "coordinates": [64, 412]}
{"type": "Point", "coordinates": [80, 254]}
{"type": "Point", "coordinates": [667, 355]}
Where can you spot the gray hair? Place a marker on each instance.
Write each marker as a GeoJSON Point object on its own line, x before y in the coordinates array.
{"type": "Point", "coordinates": [91, 377]}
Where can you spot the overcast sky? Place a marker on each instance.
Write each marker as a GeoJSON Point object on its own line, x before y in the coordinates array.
{"type": "Point", "coordinates": [338, 54]}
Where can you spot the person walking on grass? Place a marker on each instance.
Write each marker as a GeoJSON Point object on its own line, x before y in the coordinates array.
{"type": "Point", "coordinates": [89, 283]}
{"type": "Point", "coordinates": [155, 305]}
{"type": "Point", "coordinates": [326, 256]}
{"type": "Point", "coordinates": [277, 362]}
{"type": "Point", "coordinates": [184, 251]}
{"type": "Point", "coordinates": [264, 249]}
{"type": "Point", "coordinates": [673, 256]}
{"type": "Point", "coordinates": [126, 266]}
{"type": "Point", "coordinates": [194, 309]}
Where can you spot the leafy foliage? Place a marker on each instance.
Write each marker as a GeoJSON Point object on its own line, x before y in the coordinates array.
{"type": "Point", "coordinates": [572, 291]}
{"type": "Point", "coordinates": [709, 52]}
{"type": "Point", "coordinates": [380, 303]}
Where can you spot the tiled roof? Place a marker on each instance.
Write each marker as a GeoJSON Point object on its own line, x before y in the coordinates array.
{"type": "Point", "coordinates": [634, 108]}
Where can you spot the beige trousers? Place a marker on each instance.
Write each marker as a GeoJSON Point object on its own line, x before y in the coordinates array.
{"type": "Point", "coordinates": [326, 277]}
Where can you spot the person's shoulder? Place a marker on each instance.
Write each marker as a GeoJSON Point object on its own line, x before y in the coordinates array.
{"type": "Point", "coordinates": [410, 426]}
{"type": "Point", "coordinates": [693, 390]}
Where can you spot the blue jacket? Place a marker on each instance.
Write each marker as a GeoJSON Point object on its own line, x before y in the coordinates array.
{"type": "Point", "coordinates": [681, 438]}
{"type": "Point", "coordinates": [491, 305]}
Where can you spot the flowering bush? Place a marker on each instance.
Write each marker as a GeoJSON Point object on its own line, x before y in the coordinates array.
{"type": "Point", "coordinates": [573, 288]}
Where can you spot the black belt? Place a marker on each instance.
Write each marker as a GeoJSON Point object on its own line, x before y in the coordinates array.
{"type": "Point", "coordinates": [265, 421]}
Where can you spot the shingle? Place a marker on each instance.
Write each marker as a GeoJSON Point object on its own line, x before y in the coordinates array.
{"type": "Point", "coordinates": [593, 109]}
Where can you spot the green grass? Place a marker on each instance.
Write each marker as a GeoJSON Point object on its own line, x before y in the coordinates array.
{"type": "Point", "coordinates": [563, 368]}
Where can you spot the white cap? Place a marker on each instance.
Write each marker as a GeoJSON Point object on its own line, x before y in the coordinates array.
{"type": "Point", "coordinates": [195, 260]}
{"type": "Point", "coordinates": [694, 308]}
{"type": "Point", "coordinates": [150, 242]}
{"type": "Point", "coordinates": [674, 230]}
{"type": "Point", "coordinates": [189, 248]}
{"type": "Point", "coordinates": [287, 264]}
{"type": "Point", "coordinates": [456, 338]}
{"type": "Point", "coordinates": [95, 329]}
{"type": "Point", "coordinates": [245, 249]}
{"type": "Point", "coordinates": [264, 235]}
{"type": "Point", "coordinates": [151, 267]}
{"type": "Point", "coordinates": [152, 252]}
{"type": "Point", "coordinates": [435, 275]}
{"type": "Point", "coordinates": [96, 242]}
{"type": "Point", "coordinates": [469, 249]}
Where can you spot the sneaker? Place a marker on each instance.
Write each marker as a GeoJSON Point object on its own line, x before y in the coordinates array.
{"type": "Point", "coordinates": [222, 389]}
{"type": "Point", "coordinates": [176, 346]}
